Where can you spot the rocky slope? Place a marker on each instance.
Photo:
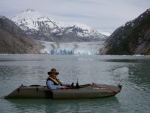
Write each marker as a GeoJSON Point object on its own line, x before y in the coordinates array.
{"type": "Point", "coordinates": [131, 38]}
{"type": "Point", "coordinates": [42, 27]}
{"type": "Point", "coordinates": [13, 40]}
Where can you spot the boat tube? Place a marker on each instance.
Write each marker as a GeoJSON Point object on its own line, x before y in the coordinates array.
{"type": "Point", "coordinates": [82, 92]}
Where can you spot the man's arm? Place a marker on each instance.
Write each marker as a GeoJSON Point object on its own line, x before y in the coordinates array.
{"type": "Point", "coordinates": [51, 85]}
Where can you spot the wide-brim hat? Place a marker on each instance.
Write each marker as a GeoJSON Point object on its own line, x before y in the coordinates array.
{"type": "Point", "coordinates": [53, 70]}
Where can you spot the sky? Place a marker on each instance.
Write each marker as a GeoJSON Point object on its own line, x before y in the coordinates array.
{"type": "Point", "coordinates": [102, 15]}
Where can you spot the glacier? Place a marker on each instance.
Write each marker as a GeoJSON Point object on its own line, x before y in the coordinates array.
{"type": "Point", "coordinates": [72, 48]}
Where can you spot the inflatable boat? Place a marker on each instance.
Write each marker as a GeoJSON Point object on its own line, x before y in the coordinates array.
{"type": "Point", "coordinates": [82, 92]}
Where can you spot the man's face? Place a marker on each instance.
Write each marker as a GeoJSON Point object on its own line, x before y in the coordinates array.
{"type": "Point", "coordinates": [53, 75]}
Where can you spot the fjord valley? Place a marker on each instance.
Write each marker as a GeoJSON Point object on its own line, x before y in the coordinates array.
{"type": "Point", "coordinates": [33, 32]}
{"type": "Point", "coordinates": [58, 58]}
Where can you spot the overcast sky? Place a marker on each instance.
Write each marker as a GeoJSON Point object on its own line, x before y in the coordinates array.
{"type": "Point", "coordinates": [102, 15]}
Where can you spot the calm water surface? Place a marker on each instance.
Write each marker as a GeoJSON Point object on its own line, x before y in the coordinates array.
{"type": "Point", "coordinates": [133, 72]}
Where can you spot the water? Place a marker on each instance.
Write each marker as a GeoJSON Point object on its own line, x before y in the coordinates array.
{"type": "Point", "coordinates": [131, 71]}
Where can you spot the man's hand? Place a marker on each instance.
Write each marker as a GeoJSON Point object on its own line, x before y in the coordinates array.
{"type": "Point", "coordinates": [64, 87]}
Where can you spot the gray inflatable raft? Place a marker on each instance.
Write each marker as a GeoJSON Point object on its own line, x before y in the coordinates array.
{"type": "Point", "coordinates": [83, 92]}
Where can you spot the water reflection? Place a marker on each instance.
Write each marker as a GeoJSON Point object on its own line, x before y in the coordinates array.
{"type": "Point", "coordinates": [63, 106]}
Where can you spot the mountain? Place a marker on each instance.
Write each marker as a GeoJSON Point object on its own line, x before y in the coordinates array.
{"type": "Point", "coordinates": [42, 27]}
{"type": "Point", "coordinates": [13, 40]}
{"type": "Point", "coordinates": [131, 38]}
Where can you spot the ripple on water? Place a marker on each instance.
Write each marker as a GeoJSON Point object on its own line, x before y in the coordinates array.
{"type": "Point", "coordinates": [131, 71]}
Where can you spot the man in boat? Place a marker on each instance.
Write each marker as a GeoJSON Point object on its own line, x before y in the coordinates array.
{"type": "Point", "coordinates": [52, 81]}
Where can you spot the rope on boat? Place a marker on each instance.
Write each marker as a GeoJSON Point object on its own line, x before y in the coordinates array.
{"type": "Point", "coordinates": [115, 92]}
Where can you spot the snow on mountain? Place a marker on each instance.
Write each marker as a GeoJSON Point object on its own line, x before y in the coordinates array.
{"type": "Point", "coordinates": [79, 25]}
{"type": "Point", "coordinates": [42, 27]}
{"type": "Point", "coordinates": [31, 19]}
{"type": "Point", "coordinates": [105, 33]}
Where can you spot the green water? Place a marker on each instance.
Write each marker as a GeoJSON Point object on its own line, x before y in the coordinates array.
{"type": "Point", "coordinates": [133, 72]}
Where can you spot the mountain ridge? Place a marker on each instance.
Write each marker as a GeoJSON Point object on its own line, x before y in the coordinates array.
{"type": "Point", "coordinates": [44, 28]}
{"type": "Point", "coordinates": [131, 38]}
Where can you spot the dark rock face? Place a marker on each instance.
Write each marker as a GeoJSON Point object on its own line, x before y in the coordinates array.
{"type": "Point", "coordinates": [13, 40]}
{"type": "Point", "coordinates": [132, 38]}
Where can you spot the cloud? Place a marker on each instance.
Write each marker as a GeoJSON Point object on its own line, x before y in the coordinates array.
{"type": "Point", "coordinates": [99, 14]}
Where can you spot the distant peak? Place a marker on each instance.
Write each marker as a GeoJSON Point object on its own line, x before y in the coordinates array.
{"type": "Point", "coordinates": [29, 10]}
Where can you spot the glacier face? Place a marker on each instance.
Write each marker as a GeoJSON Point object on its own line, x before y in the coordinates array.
{"type": "Point", "coordinates": [73, 48]}
{"type": "Point", "coordinates": [42, 27]}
